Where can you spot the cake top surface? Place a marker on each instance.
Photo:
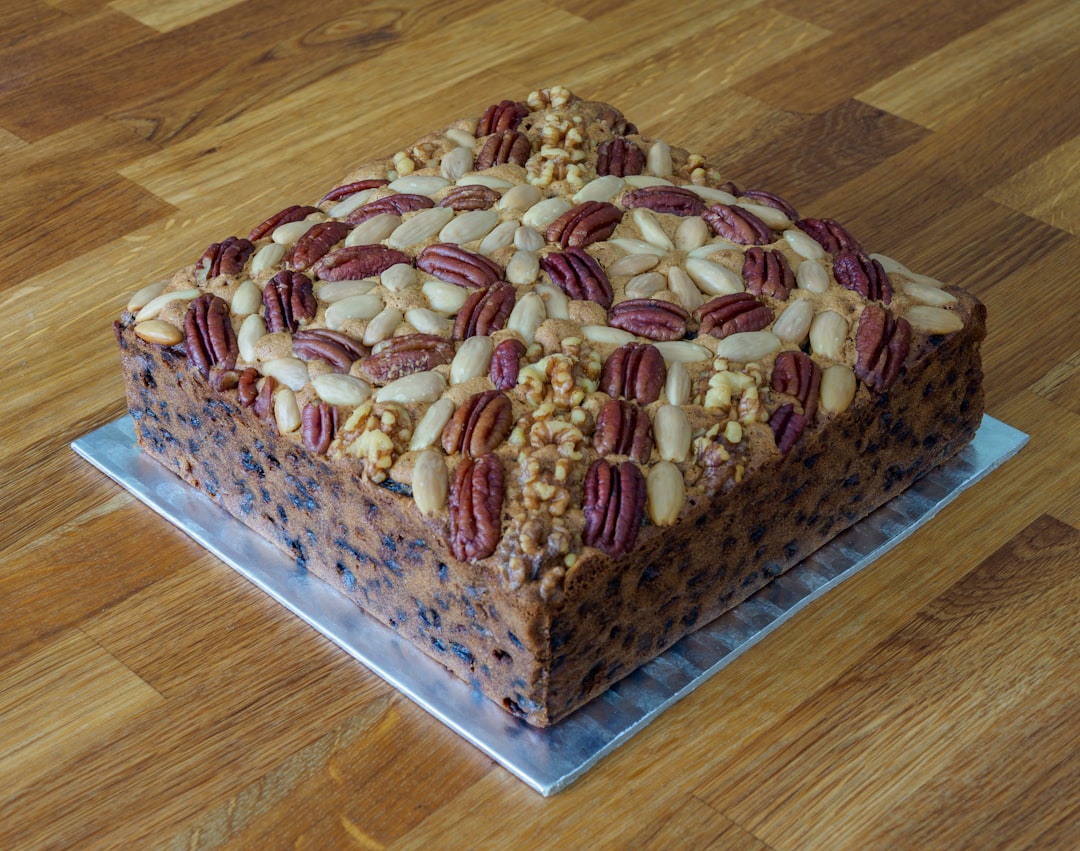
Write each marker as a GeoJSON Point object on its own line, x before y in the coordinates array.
{"type": "Point", "coordinates": [547, 329]}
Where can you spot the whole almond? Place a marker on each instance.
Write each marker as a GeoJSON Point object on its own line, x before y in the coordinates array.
{"type": "Point", "coordinates": [601, 189]}
{"type": "Point", "coordinates": [246, 300]}
{"type": "Point", "coordinates": [528, 239]}
{"type": "Point", "coordinates": [382, 326]}
{"type": "Point", "coordinates": [933, 320]}
{"type": "Point", "coordinates": [925, 293]}
{"type": "Point", "coordinates": [748, 346]}
{"type": "Point", "coordinates": [331, 291]}
{"type": "Point", "coordinates": [528, 313]}
{"type": "Point", "coordinates": [431, 424]}
{"type": "Point", "coordinates": [812, 276]}
{"type": "Point", "coordinates": [345, 206]}
{"type": "Point", "coordinates": [373, 230]}
{"type": "Point", "coordinates": [645, 285]}
{"type": "Point", "coordinates": [427, 321]}
{"type": "Point", "coordinates": [292, 372]}
{"type": "Point", "coordinates": [252, 329]}
{"type": "Point", "coordinates": [665, 493]}
{"type": "Point", "coordinates": [523, 267]}
{"type": "Point", "coordinates": [543, 213]}
{"type": "Point", "coordinates": [415, 387]}
{"type": "Point", "coordinates": [158, 331]}
{"type": "Point", "coordinates": [419, 184]}
{"type": "Point", "coordinates": [502, 236]}
{"type": "Point", "coordinates": [354, 307]}
{"type": "Point", "coordinates": [650, 229]}
{"type": "Point", "coordinates": [430, 482]}
{"type": "Point", "coordinates": [774, 218]}
{"type": "Point", "coordinates": [521, 197]}
{"type": "Point", "coordinates": [443, 297]}
{"type": "Point", "coordinates": [141, 297]}
{"type": "Point", "coordinates": [828, 333]}
{"type": "Point", "coordinates": [672, 433]}
{"type": "Point", "coordinates": [837, 388]}
{"type": "Point", "coordinates": [456, 162]}
{"type": "Point", "coordinates": [682, 351]}
{"type": "Point", "coordinates": [684, 289]}
{"type": "Point", "coordinates": [712, 278]}
{"type": "Point", "coordinates": [803, 245]}
{"type": "Point", "coordinates": [793, 325]}
{"type": "Point", "coordinates": [658, 159]}
{"type": "Point", "coordinates": [286, 410]}
{"type": "Point", "coordinates": [288, 233]}
{"type": "Point", "coordinates": [607, 335]}
{"type": "Point", "coordinates": [152, 308]}
{"type": "Point", "coordinates": [691, 233]}
{"type": "Point", "coordinates": [472, 359]}
{"type": "Point", "coordinates": [678, 385]}
{"type": "Point", "coordinates": [711, 194]}
{"type": "Point", "coordinates": [556, 301]}
{"type": "Point", "coordinates": [267, 257]}
{"type": "Point", "coordinates": [399, 277]}
{"type": "Point", "coordinates": [469, 226]}
{"type": "Point", "coordinates": [334, 388]}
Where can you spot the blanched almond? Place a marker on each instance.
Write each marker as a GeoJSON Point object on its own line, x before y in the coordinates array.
{"type": "Point", "coordinates": [812, 276]}
{"type": "Point", "coordinates": [469, 226]}
{"type": "Point", "coordinates": [153, 307]}
{"type": "Point", "coordinates": [354, 307]}
{"type": "Point", "coordinates": [713, 278]}
{"type": "Point", "coordinates": [251, 331]}
{"type": "Point", "coordinates": [793, 325]}
{"type": "Point", "coordinates": [335, 388]}
{"type": "Point", "coordinates": [472, 359]}
{"type": "Point", "coordinates": [525, 318]}
{"type": "Point", "coordinates": [672, 432]}
{"type": "Point", "coordinates": [601, 189]}
{"type": "Point", "coordinates": [286, 410]}
{"type": "Point", "coordinates": [431, 424]}
{"type": "Point", "coordinates": [678, 385]}
{"type": "Point", "coordinates": [430, 482]}
{"type": "Point", "coordinates": [748, 346]}
{"type": "Point", "coordinates": [828, 333]}
{"type": "Point", "coordinates": [443, 297]}
{"type": "Point", "coordinates": [158, 331]}
{"type": "Point", "coordinates": [803, 245]}
{"type": "Point", "coordinates": [933, 320]}
{"type": "Point", "coordinates": [427, 321]}
{"type": "Point", "coordinates": [292, 372]}
{"type": "Point", "coordinates": [140, 298]}
{"type": "Point", "coordinates": [691, 233]}
{"type": "Point", "coordinates": [246, 300]}
{"type": "Point", "coordinates": [420, 226]}
{"type": "Point", "coordinates": [684, 289]}
{"type": "Point", "coordinates": [837, 388]}
{"type": "Point", "coordinates": [382, 326]}
{"type": "Point", "coordinates": [416, 387]}
{"type": "Point", "coordinates": [665, 493]}
{"type": "Point", "coordinates": [373, 230]}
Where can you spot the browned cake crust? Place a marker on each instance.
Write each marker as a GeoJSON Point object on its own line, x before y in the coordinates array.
{"type": "Point", "coordinates": [627, 461]}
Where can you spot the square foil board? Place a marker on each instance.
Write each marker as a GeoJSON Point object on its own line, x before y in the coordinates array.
{"type": "Point", "coordinates": [546, 759]}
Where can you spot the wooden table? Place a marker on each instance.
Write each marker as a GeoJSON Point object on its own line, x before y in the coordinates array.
{"type": "Point", "coordinates": [151, 696]}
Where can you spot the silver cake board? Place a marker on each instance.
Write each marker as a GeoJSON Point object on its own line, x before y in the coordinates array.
{"type": "Point", "coordinates": [547, 760]}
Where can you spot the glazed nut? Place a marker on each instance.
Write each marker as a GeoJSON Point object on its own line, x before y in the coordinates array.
{"type": "Point", "coordinates": [430, 482]}
{"type": "Point", "coordinates": [828, 333]}
{"type": "Point", "coordinates": [472, 359]}
{"type": "Point", "coordinates": [623, 428]}
{"type": "Point", "coordinates": [666, 493]}
{"type": "Point", "coordinates": [456, 265]}
{"type": "Point", "coordinates": [614, 504]}
{"type": "Point", "coordinates": [650, 318]}
{"type": "Point", "coordinates": [672, 432]}
{"type": "Point", "coordinates": [159, 332]}
{"type": "Point", "coordinates": [933, 320]}
{"type": "Point", "coordinates": [209, 339]}
{"type": "Point", "coordinates": [430, 426]}
{"type": "Point", "coordinates": [480, 425]}
{"type": "Point", "coordinates": [837, 388]}
{"type": "Point", "coordinates": [337, 349]}
{"type": "Point", "coordinates": [354, 262]}
{"type": "Point", "coordinates": [318, 423]}
{"type": "Point", "coordinates": [404, 355]}
{"type": "Point", "coordinates": [882, 343]}
{"type": "Point", "coordinates": [475, 513]}
{"type": "Point", "coordinates": [634, 371]}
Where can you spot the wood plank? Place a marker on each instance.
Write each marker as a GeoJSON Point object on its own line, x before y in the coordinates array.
{"type": "Point", "coordinates": [964, 706]}
{"type": "Point", "coordinates": [166, 17]}
{"type": "Point", "coordinates": [1047, 189]}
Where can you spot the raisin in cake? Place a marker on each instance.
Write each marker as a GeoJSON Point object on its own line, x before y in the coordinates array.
{"type": "Point", "coordinates": [544, 394]}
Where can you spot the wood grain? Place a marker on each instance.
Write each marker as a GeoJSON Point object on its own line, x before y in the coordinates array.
{"type": "Point", "coordinates": [149, 696]}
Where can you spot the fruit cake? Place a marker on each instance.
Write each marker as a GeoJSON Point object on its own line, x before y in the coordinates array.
{"type": "Point", "coordinates": [544, 394]}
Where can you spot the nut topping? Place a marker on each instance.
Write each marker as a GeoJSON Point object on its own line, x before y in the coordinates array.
{"type": "Point", "coordinates": [476, 498]}
{"type": "Point", "coordinates": [337, 349]}
{"type": "Point", "coordinates": [397, 205]}
{"type": "Point", "coordinates": [578, 275]}
{"type": "Point", "coordinates": [787, 427]}
{"type": "Point", "coordinates": [354, 262]}
{"type": "Point", "coordinates": [485, 311]}
{"type": "Point", "coordinates": [665, 199]}
{"type": "Point", "coordinates": [223, 258]}
{"type": "Point", "coordinates": [315, 243]}
{"type": "Point", "coordinates": [247, 388]}
{"type": "Point", "coordinates": [737, 225]}
{"type": "Point", "coordinates": [208, 333]}
{"type": "Point", "coordinates": [584, 224]}
{"type": "Point", "coordinates": [796, 374]}
{"type": "Point", "coordinates": [480, 425]}
{"type": "Point", "coordinates": [634, 371]}
{"type": "Point", "coordinates": [505, 146]}
{"type": "Point", "coordinates": [506, 363]}
{"type": "Point", "coordinates": [318, 423]}
{"type": "Point", "coordinates": [619, 157]}
{"type": "Point", "coordinates": [504, 115]}
{"type": "Point", "coordinates": [400, 356]}
{"type": "Point", "coordinates": [767, 272]}
{"type": "Point", "coordinates": [295, 213]}
{"type": "Point", "coordinates": [768, 199]}
{"type": "Point", "coordinates": [470, 196]}
{"type": "Point", "coordinates": [455, 265]}
{"type": "Point", "coordinates": [288, 298]}
{"type": "Point", "coordinates": [614, 506]}
{"type": "Point", "coordinates": [623, 428]}
{"type": "Point", "coordinates": [352, 188]}
{"type": "Point", "coordinates": [733, 314]}
{"type": "Point", "coordinates": [651, 318]}
{"type": "Point", "coordinates": [829, 234]}
{"type": "Point", "coordinates": [882, 342]}
{"type": "Point", "coordinates": [859, 273]}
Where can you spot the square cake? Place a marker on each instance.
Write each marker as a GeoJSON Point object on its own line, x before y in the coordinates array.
{"type": "Point", "coordinates": [544, 394]}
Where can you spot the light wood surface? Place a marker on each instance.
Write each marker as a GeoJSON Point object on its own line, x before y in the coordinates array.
{"type": "Point", "coordinates": [150, 697]}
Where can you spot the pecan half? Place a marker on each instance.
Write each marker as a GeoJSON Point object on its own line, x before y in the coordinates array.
{"type": "Point", "coordinates": [396, 205]}
{"type": "Point", "coordinates": [469, 197]}
{"type": "Point", "coordinates": [577, 274]}
{"type": "Point", "coordinates": [354, 262]}
{"type": "Point", "coordinates": [767, 272]}
{"type": "Point", "coordinates": [737, 225]}
{"type": "Point", "coordinates": [768, 199]}
{"type": "Point", "coordinates": [405, 355]}
{"type": "Point", "coordinates": [315, 243]}
{"type": "Point", "coordinates": [485, 311]}
{"type": "Point", "coordinates": [665, 199]}
{"type": "Point", "coordinates": [733, 314]}
{"type": "Point", "coordinates": [456, 265]}
{"type": "Point", "coordinates": [584, 224]}
{"type": "Point", "coordinates": [481, 424]}
{"type": "Point", "coordinates": [619, 157]}
{"type": "Point", "coordinates": [882, 342]}
{"type": "Point", "coordinates": [290, 214]}
{"type": "Point", "coordinates": [344, 191]}
{"type": "Point", "coordinates": [288, 298]}
{"type": "Point", "coordinates": [247, 387]}
{"type": "Point", "coordinates": [223, 258]}
{"type": "Point", "coordinates": [614, 119]}
{"type": "Point", "coordinates": [264, 401]}
{"type": "Point", "coordinates": [650, 318]}
{"type": "Point", "coordinates": [476, 498]}
{"type": "Point", "coordinates": [504, 146]}
{"type": "Point", "coordinates": [864, 275]}
{"type": "Point", "coordinates": [318, 423]}
{"type": "Point", "coordinates": [208, 334]}
{"type": "Point", "coordinates": [614, 506]}
{"type": "Point", "coordinates": [829, 234]}
{"type": "Point", "coordinates": [634, 371]}
{"type": "Point", "coordinates": [506, 363]}
{"type": "Point", "coordinates": [796, 374]}
{"type": "Point", "coordinates": [787, 427]}
{"type": "Point", "coordinates": [504, 115]}
{"type": "Point", "coordinates": [337, 349]}
{"type": "Point", "coordinates": [623, 428]}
